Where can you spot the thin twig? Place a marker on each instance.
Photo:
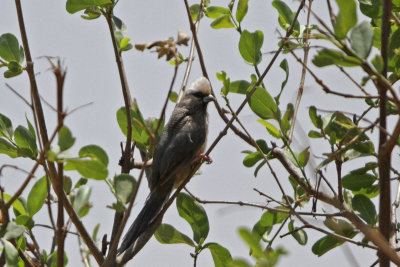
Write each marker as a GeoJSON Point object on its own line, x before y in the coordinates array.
{"type": "Point", "coordinates": [191, 54]}
{"type": "Point", "coordinates": [303, 73]}
{"type": "Point", "coordinates": [20, 96]}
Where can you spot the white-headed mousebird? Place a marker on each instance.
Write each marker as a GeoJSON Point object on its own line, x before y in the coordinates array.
{"type": "Point", "coordinates": [179, 146]}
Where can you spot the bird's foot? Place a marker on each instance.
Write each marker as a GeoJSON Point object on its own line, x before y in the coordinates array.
{"type": "Point", "coordinates": [204, 157]}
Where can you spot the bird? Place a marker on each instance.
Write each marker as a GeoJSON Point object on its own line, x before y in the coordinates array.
{"type": "Point", "coordinates": [181, 144]}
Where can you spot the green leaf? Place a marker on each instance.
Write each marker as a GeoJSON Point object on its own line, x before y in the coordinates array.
{"type": "Point", "coordinates": [340, 227]}
{"type": "Point", "coordinates": [9, 48]}
{"type": "Point", "coordinates": [285, 66]}
{"type": "Point", "coordinates": [251, 159]}
{"type": "Point", "coordinates": [315, 119]}
{"type": "Point", "coordinates": [92, 169]}
{"type": "Point", "coordinates": [303, 157]}
{"type": "Point", "coordinates": [17, 205]}
{"type": "Point", "coordinates": [239, 87]}
{"type": "Point", "coordinates": [300, 235]}
{"type": "Point", "coordinates": [271, 129]}
{"type": "Point", "coordinates": [6, 128]}
{"type": "Point", "coordinates": [94, 152]}
{"type": "Point", "coordinates": [13, 231]}
{"type": "Point", "coordinates": [315, 134]}
{"type": "Point", "coordinates": [194, 11]}
{"type": "Point", "coordinates": [220, 254]}
{"type": "Point", "coordinates": [226, 81]}
{"type": "Point", "coordinates": [377, 61]}
{"type": "Point", "coordinates": [325, 244]}
{"type": "Point", "coordinates": [14, 67]}
{"type": "Point", "coordinates": [252, 241]}
{"type": "Point", "coordinates": [37, 196]}
{"type": "Point", "coordinates": [223, 21]}
{"type": "Point", "coordinates": [95, 232]}
{"type": "Point", "coordinates": [346, 19]}
{"type": "Point", "coordinates": [11, 254]}
{"type": "Point", "coordinates": [24, 139]}
{"type": "Point", "coordinates": [124, 185]}
{"type": "Point", "coordinates": [241, 11]}
{"type": "Point", "coordinates": [286, 16]}
{"type": "Point", "coordinates": [8, 149]}
{"type": "Point", "coordinates": [371, 8]}
{"type": "Point", "coordinates": [173, 97]}
{"type": "Point", "coordinates": [74, 6]}
{"type": "Point", "coordinates": [10, 74]}
{"type": "Point", "coordinates": [124, 42]}
{"type": "Point", "coordinates": [93, 13]}
{"type": "Point", "coordinates": [80, 203]}
{"type": "Point", "coordinates": [65, 138]}
{"type": "Point", "coordinates": [370, 192]}
{"type": "Point", "coordinates": [194, 214]}
{"type": "Point", "coordinates": [138, 133]}
{"type": "Point", "coordinates": [357, 181]}
{"type": "Point", "coordinates": [167, 234]}
{"type": "Point", "coordinates": [361, 38]}
{"type": "Point", "coordinates": [262, 103]}
{"type": "Point", "coordinates": [326, 57]}
{"type": "Point", "coordinates": [269, 218]}
{"type": "Point", "coordinates": [238, 263]}
{"type": "Point", "coordinates": [214, 12]}
{"type": "Point", "coordinates": [25, 220]}
{"type": "Point", "coordinates": [250, 46]}
{"type": "Point", "coordinates": [364, 207]}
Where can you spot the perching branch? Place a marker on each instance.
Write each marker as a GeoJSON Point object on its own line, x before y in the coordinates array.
{"type": "Point", "coordinates": [44, 137]}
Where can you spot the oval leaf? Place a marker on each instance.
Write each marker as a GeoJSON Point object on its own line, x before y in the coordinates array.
{"type": "Point", "coordinates": [92, 169]}
{"type": "Point", "coordinates": [286, 16]}
{"type": "Point", "coordinates": [11, 254]}
{"type": "Point", "coordinates": [298, 234]}
{"type": "Point", "coordinates": [65, 138]}
{"type": "Point", "coordinates": [364, 207]}
{"type": "Point", "coordinates": [194, 214]}
{"type": "Point", "coordinates": [25, 140]}
{"type": "Point", "coordinates": [250, 45]}
{"type": "Point", "coordinates": [346, 19]}
{"type": "Point", "coordinates": [252, 159]}
{"type": "Point", "coordinates": [167, 234]}
{"type": "Point", "coordinates": [263, 104]}
{"type": "Point", "coordinates": [80, 203]}
{"type": "Point", "coordinates": [124, 185]}
{"type": "Point", "coordinates": [94, 152]}
{"type": "Point", "coordinates": [223, 21]}
{"type": "Point", "coordinates": [361, 38]}
{"type": "Point", "coordinates": [357, 181]}
{"type": "Point", "coordinates": [220, 254]}
{"type": "Point", "coordinates": [6, 128]}
{"type": "Point", "coordinates": [241, 11]}
{"type": "Point", "coordinates": [9, 48]}
{"type": "Point", "coordinates": [37, 196]}
{"type": "Point", "coordinates": [271, 128]}
{"type": "Point", "coordinates": [73, 6]}
{"type": "Point", "coordinates": [325, 244]}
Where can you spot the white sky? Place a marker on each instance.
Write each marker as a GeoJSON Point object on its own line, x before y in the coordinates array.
{"type": "Point", "coordinates": [92, 76]}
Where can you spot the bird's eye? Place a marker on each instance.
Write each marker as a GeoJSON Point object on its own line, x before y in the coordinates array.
{"type": "Point", "coordinates": [198, 94]}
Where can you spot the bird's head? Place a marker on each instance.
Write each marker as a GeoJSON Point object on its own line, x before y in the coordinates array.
{"type": "Point", "coordinates": [198, 94]}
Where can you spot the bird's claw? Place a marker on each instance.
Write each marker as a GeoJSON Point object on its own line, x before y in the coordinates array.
{"type": "Point", "coordinates": [204, 157]}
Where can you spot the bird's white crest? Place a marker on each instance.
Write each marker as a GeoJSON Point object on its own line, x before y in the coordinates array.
{"type": "Point", "coordinates": [202, 84]}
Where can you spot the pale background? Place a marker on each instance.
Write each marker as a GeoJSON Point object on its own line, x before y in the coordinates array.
{"type": "Point", "coordinates": [86, 50]}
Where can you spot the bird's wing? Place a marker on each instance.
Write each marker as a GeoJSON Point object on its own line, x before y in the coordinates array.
{"type": "Point", "coordinates": [179, 147]}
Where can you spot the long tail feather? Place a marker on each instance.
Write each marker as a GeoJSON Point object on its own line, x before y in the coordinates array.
{"type": "Point", "coordinates": [146, 223]}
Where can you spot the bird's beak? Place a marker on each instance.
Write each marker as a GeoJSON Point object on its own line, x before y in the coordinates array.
{"type": "Point", "coordinates": [208, 98]}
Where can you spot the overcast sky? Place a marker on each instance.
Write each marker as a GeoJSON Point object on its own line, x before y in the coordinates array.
{"type": "Point", "coordinates": [86, 50]}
